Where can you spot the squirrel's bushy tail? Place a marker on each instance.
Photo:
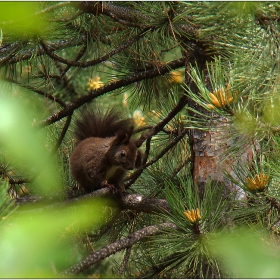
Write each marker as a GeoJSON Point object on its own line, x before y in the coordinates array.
{"type": "Point", "coordinates": [93, 122]}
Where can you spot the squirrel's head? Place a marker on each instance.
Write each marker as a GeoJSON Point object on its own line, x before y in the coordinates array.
{"type": "Point", "coordinates": [125, 151]}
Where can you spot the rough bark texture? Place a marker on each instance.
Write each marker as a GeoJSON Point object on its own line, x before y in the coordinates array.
{"type": "Point", "coordinates": [210, 160]}
{"type": "Point", "coordinates": [116, 247]}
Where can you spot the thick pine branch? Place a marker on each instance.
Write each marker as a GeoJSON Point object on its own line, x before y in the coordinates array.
{"type": "Point", "coordinates": [127, 16]}
{"type": "Point", "coordinates": [137, 202]}
{"type": "Point", "coordinates": [143, 203]}
{"type": "Point", "coordinates": [117, 246]}
{"type": "Point", "coordinates": [160, 70]}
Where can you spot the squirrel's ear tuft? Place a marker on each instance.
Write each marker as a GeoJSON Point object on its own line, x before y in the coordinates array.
{"type": "Point", "coordinates": [122, 138]}
{"type": "Point", "coordinates": [139, 157]}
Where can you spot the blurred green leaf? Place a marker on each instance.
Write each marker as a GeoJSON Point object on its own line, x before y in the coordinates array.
{"type": "Point", "coordinates": [20, 19]}
{"type": "Point", "coordinates": [248, 254]}
{"type": "Point", "coordinates": [39, 244]}
{"type": "Point", "coordinates": [24, 145]}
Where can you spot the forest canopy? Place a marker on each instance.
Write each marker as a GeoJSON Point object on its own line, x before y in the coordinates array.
{"type": "Point", "coordinates": [200, 81]}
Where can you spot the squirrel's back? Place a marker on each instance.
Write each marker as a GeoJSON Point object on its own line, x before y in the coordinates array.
{"type": "Point", "coordinates": [96, 123]}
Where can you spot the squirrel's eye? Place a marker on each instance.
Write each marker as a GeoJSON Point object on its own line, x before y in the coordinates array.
{"type": "Point", "coordinates": [123, 153]}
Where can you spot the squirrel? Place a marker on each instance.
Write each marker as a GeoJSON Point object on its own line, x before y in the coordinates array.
{"type": "Point", "coordinates": [104, 150]}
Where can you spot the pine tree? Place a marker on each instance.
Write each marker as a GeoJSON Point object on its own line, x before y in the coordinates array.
{"type": "Point", "coordinates": [201, 81]}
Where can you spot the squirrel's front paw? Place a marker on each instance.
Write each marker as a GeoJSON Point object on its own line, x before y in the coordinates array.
{"type": "Point", "coordinates": [112, 187]}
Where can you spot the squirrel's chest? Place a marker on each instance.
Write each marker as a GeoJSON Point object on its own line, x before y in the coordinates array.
{"type": "Point", "coordinates": [111, 172]}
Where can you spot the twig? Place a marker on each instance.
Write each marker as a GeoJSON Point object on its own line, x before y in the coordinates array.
{"type": "Point", "coordinates": [147, 151]}
{"type": "Point", "coordinates": [66, 19]}
{"type": "Point", "coordinates": [157, 268]}
{"type": "Point", "coordinates": [7, 47]}
{"type": "Point", "coordinates": [5, 174]}
{"type": "Point", "coordinates": [179, 167]}
{"type": "Point", "coordinates": [79, 56]}
{"type": "Point", "coordinates": [133, 177]}
{"type": "Point", "coordinates": [65, 80]}
{"type": "Point", "coordinates": [11, 54]}
{"type": "Point", "coordinates": [57, 5]}
{"type": "Point", "coordinates": [115, 247]}
{"type": "Point", "coordinates": [160, 125]}
{"type": "Point", "coordinates": [154, 130]}
{"type": "Point", "coordinates": [63, 132]}
{"type": "Point", "coordinates": [40, 92]}
{"type": "Point", "coordinates": [125, 261]}
{"type": "Point", "coordinates": [127, 16]}
{"type": "Point", "coordinates": [142, 128]}
{"type": "Point", "coordinates": [38, 50]}
{"type": "Point", "coordinates": [121, 47]}
{"type": "Point", "coordinates": [137, 173]}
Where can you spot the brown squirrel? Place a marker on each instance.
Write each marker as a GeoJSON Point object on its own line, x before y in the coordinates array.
{"type": "Point", "coordinates": [104, 150]}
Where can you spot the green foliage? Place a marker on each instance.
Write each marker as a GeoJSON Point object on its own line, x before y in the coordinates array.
{"type": "Point", "coordinates": [18, 20]}
{"type": "Point", "coordinates": [33, 243]}
{"type": "Point", "coordinates": [23, 144]}
{"type": "Point", "coordinates": [56, 57]}
{"type": "Point", "coordinates": [186, 251]}
{"type": "Point", "coordinates": [247, 253]}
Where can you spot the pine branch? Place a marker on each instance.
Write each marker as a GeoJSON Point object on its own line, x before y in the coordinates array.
{"type": "Point", "coordinates": [75, 63]}
{"type": "Point", "coordinates": [136, 174]}
{"type": "Point", "coordinates": [115, 247]}
{"type": "Point", "coordinates": [12, 181]}
{"type": "Point", "coordinates": [63, 133]}
{"type": "Point", "coordinates": [98, 193]}
{"type": "Point", "coordinates": [29, 53]}
{"type": "Point", "coordinates": [40, 92]}
{"type": "Point", "coordinates": [55, 6]}
{"type": "Point", "coordinates": [65, 80]}
{"type": "Point", "coordinates": [133, 177]}
{"type": "Point", "coordinates": [126, 201]}
{"type": "Point", "coordinates": [144, 204]}
{"type": "Point", "coordinates": [78, 57]}
{"type": "Point", "coordinates": [160, 70]}
{"type": "Point", "coordinates": [127, 16]}
{"type": "Point", "coordinates": [8, 47]}
{"type": "Point", "coordinates": [125, 261]}
{"type": "Point", "coordinates": [160, 125]}
{"type": "Point", "coordinates": [11, 52]}
{"type": "Point", "coordinates": [157, 268]}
